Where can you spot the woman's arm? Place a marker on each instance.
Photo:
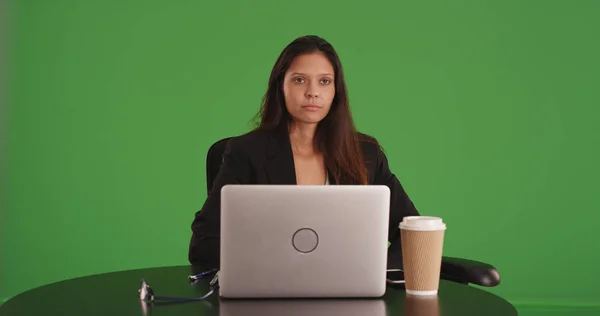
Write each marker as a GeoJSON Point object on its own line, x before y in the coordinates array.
{"type": "Point", "coordinates": [400, 203]}
{"type": "Point", "coordinates": [204, 244]}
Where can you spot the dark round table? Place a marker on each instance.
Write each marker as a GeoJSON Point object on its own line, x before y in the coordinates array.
{"type": "Point", "coordinates": [116, 293]}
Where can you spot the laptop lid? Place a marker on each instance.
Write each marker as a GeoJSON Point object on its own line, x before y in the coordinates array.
{"type": "Point", "coordinates": [303, 241]}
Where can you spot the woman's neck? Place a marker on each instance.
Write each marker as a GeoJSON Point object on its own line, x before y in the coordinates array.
{"type": "Point", "coordinates": [302, 137]}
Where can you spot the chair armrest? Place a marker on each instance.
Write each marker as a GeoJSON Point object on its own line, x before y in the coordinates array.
{"type": "Point", "coordinates": [469, 271]}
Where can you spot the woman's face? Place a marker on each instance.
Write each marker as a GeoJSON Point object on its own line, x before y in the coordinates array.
{"type": "Point", "coordinates": [308, 88]}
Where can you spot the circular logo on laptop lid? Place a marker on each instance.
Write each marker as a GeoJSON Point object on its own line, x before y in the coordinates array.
{"type": "Point", "coordinates": [305, 240]}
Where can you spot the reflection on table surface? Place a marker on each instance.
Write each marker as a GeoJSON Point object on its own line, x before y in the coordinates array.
{"type": "Point", "coordinates": [412, 305]}
{"type": "Point", "coordinates": [302, 307]}
{"type": "Point", "coordinates": [421, 305]}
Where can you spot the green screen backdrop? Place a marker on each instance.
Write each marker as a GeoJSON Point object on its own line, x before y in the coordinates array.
{"type": "Point", "coordinates": [487, 110]}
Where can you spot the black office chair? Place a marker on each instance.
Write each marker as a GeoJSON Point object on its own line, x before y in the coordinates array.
{"type": "Point", "coordinates": [453, 269]}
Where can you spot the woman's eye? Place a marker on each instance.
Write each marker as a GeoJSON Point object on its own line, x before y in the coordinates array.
{"type": "Point", "coordinates": [299, 80]}
{"type": "Point", "coordinates": [325, 81]}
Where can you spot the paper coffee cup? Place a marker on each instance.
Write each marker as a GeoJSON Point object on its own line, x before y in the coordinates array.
{"type": "Point", "coordinates": [422, 244]}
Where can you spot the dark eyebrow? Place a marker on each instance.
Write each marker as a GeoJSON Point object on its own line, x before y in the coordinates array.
{"type": "Point", "coordinates": [298, 73]}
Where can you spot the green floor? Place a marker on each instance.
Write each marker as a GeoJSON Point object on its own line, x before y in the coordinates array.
{"type": "Point", "coordinates": [559, 311]}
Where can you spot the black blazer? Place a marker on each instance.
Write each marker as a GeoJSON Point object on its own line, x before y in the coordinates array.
{"type": "Point", "coordinates": [262, 157]}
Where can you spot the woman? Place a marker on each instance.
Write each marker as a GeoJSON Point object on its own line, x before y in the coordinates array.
{"type": "Point", "coordinates": [306, 136]}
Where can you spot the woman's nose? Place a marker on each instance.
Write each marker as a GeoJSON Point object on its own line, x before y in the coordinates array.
{"type": "Point", "coordinates": [312, 92]}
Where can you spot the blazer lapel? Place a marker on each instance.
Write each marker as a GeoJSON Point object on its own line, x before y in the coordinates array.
{"type": "Point", "coordinates": [279, 166]}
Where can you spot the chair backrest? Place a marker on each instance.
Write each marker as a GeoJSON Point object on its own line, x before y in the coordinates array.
{"type": "Point", "coordinates": [214, 158]}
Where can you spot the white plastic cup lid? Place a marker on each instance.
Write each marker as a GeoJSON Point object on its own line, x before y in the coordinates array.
{"type": "Point", "coordinates": [422, 223]}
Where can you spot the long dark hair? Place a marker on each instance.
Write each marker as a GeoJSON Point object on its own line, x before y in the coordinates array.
{"type": "Point", "coordinates": [336, 136]}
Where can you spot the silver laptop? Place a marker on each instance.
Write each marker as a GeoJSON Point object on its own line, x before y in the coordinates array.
{"type": "Point", "coordinates": [297, 241]}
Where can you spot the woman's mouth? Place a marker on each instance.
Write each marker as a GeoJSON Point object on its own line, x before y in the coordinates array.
{"type": "Point", "coordinates": [311, 107]}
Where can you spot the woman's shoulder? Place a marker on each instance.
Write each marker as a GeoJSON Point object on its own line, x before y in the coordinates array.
{"type": "Point", "coordinates": [248, 143]}
{"type": "Point", "coordinates": [250, 138]}
{"type": "Point", "coordinates": [369, 145]}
